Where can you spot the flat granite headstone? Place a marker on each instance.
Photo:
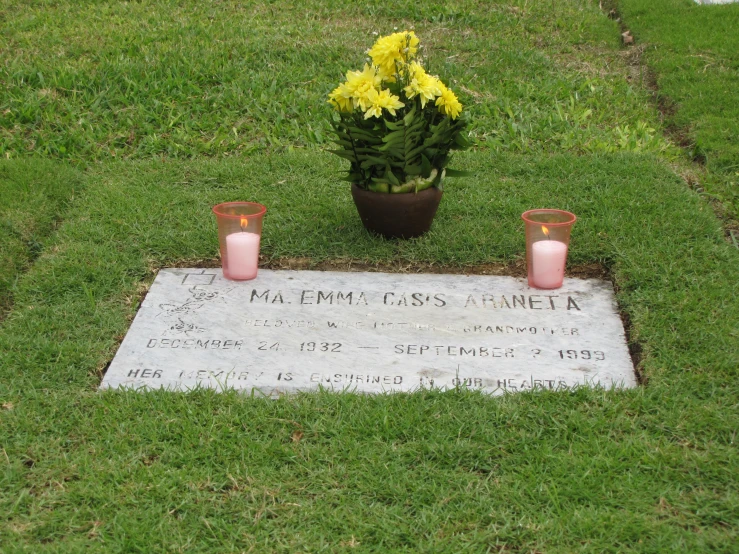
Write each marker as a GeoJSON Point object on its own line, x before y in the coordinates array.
{"type": "Point", "coordinates": [371, 332]}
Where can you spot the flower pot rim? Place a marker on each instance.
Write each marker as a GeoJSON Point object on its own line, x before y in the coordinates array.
{"type": "Point", "coordinates": [354, 185]}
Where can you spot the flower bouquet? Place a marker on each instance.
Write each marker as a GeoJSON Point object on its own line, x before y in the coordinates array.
{"type": "Point", "coordinates": [397, 124]}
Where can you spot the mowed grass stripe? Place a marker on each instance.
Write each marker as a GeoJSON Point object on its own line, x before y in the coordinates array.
{"type": "Point", "coordinates": [693, 51]}
{"type": "Point", "coordinates": [34, 194]}
{"type": "Point", "coordinates": [650, 468]}
{"type": "Point", "coordinates": [589, 471]}
{"type": "Point", "coordinates": [99, 81]}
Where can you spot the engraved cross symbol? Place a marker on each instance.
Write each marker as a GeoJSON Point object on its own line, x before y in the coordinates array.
{"type": "Point", "coordinates": [201, 278]}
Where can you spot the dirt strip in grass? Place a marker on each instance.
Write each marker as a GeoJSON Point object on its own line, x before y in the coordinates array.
{"type": "Point", "coordinates": [690, 57]}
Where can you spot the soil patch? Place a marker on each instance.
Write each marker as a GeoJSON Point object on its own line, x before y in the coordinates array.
{"type": "Point", "coordinates": [513, 269]}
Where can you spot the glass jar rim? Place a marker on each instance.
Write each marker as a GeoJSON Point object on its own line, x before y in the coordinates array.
{"type": "Point", "coordinates": [568, 218]}
{"type": "Point", "coordinates": [260, 209]}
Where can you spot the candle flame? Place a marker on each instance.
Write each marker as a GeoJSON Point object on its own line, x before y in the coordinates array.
{"type": "Point", "coordinates": [244, 223]}
{"type": "Point", "coordinates": [545, 231]}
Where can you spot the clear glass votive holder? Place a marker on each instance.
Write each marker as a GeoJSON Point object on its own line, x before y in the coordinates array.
{"type": "Point", "coordinates": [547, 243]}
{"type": "Point", "coordinates": [239, 233]}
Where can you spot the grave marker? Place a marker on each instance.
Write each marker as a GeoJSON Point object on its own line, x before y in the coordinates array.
{"type": "Point", "coordinates": [371, 332]}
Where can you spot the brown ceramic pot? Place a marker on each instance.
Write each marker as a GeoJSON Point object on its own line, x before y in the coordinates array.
{"type": "Point", "coordinates": [404, 216]}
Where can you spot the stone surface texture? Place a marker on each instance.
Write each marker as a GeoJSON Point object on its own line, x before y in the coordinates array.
{"type": "Point", "coordinates": [287, 331]}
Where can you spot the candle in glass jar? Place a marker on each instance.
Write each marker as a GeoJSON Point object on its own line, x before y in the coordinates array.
{"type": "Point", "coordinates": [242, 253]}
{"type": "Point", "coordinates": [548, 259]}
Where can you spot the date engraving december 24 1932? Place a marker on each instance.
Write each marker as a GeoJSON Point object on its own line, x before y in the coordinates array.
{"type": "Point", "coordinates": [371, 332]}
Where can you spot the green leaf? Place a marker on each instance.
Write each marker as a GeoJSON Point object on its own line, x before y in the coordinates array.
{"type": "Point", "coordinates": [425, 167]}
{"type": "Point", "coordinates": [408, 119]}
{"type": "Point", "coordinates": [379, 187]}
{"type": "Point", "coordinates": [393, 148]}
{"type": "Point", "coordinates": [462, 142]}
{"type": "Point", "coordinates": [395, 135]}
{"type": "Point", "coordinates": [373, 161]}
{"type": "Point", "coordinates": [415, 152]}
{"type": "Point", "coordinates": [346, 154]}
{"type": "Point", "coordinates": [391, 176]}
{"type": "Point", "coordinates": [417, 125]}
{"type": "Point", "coordinates": [425, 185]}
{"type": "Point", "coordinates": [357, 134]}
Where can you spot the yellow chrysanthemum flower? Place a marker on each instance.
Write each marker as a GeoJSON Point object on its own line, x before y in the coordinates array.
{"type": "Point", "coordinates": [381, 100]}
{"type": "Point", "coordinates": [396, 48]}
{"type": "Point", "coordinates": [341, 99]}
{"type": "Point", "coordinates": [422, 84]}
{"type": "Point", "coordinates": [448, 102]}
{"type": "Point", "coordinates": [386, 77]}
{"type": "Point", "coordinates": [359, 83]}
{"type": "Point", "coordinates": [415, 70]}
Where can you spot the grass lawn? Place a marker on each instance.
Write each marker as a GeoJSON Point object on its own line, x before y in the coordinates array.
{"type": "Point", "coordinates": [228, 78]}
{"type": "Point", "coordinates": [33, 195]}
{"type": "Point", "coordinates": [644, 470]}
{"type": "Point", "coordinates": [694, 51]}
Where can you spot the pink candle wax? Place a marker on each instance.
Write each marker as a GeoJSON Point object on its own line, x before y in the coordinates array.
{"type": "Point", "coordinates": [548, 259]}
{"type": "Point", "coordinates": [242, 255]}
